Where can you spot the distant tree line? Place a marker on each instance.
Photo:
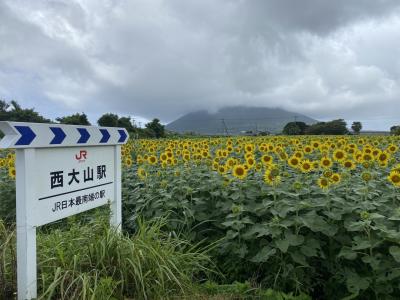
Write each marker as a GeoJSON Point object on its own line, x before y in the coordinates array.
{"type": "Point", "coordinates": [335, 127]}
{"type": "Point", "coordinates": [395, 130]}
{"type": "Point", "coordinates": [12, 111]}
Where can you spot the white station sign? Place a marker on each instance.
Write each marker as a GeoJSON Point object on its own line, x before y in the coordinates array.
{"type": "Point", "coordinates": [82, 179]}
{"type": "Point", "coordinates": [61, 170]}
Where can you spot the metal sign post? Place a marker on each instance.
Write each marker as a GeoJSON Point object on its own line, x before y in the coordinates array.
{"type": "Point", "coordinates": [61, 170]}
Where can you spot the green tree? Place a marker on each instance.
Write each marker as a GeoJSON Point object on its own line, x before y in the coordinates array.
{"type": "Point", "coordinates": [335, 127]}
{"type": "Point", "coordinates": [395, 130]}
{"type": "Point", "coordinates": [75, 119]}
{"type": "Point", "coordinates": [155, 128]}
{"type": "Point", "coordinates": [295, 128]}
{"type": "Point", "coordinates": [126, 123]}
{"type": "Point", "coordinates": [14, 112]}
{"type": "Point", "coordinates": [108, 120]}
{"type": "Point", "coordinates": [356, 126]}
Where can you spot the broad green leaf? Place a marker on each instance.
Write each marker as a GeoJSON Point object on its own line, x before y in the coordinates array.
{"type": "Point", "coordinates": [361, 244]}
{"type": "Point", "coordinates": [263, 255]}
{"type": "Point", "coordinates": [299, 258]}
{"type": "Point", "coordinates": [283, 245]}
{"type": "Point", "coordinates": [347, 253]}
{"type": "Point", "coordinates": [294, 240]}
{"type": "Point", "coordinates": [308, 251]}
{"type": "Point", "coordinates": [355, 283]}
{"type": "Point", "coordinates": [395, 252]}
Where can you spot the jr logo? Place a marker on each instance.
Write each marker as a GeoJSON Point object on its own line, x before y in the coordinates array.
{"type": "Point", "coordinates": [81, 156]}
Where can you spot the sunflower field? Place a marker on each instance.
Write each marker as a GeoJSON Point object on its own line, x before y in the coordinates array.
{"type": "Point", "coordinates": [318, 215]}
{"type": "Point", "coordinates": [309, 215]}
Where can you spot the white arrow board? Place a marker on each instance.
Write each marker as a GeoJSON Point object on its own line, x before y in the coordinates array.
{"type": "Point", "coordinates": [61, 170]}
{"type": "Point", "coordinates": [38, 135]}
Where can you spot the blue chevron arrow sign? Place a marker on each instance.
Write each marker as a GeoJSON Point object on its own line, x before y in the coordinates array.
{"type": "Point", "coordinates": [59, 135]}
{"type": "Point", "coordinates": [122, 136]}
{"type": "Point", "coordinates": [84, 135]}
{"type": "Point", "coordinates": [39, 135]}
{"type": "Point", "coordinates": [27, 135]}
{"type": "Point", "coordinates": [105, 137]}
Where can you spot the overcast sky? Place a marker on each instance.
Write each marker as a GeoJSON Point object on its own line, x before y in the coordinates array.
{"type": "Point", "coordinates": [153, 58]}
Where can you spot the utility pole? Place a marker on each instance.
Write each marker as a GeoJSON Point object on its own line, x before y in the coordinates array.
{"type": "Point", "coordinates": [225, 128]}
{"type": "Point", "coordinates": [295, 119]}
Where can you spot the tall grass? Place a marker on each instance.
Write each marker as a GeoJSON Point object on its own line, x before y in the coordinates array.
{"type": "Point", "coordinates": [8, 264]}
{"type": "Point", "coordinates": [94, 261]}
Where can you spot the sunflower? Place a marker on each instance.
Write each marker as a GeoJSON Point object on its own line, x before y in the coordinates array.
{"type": "Point", "coordinates": [230, 162]}
{"type": "Point", "coordinates": [392, 148]}
{"type": "Point", "coordinates": [249, 147]}
{"type": "Point", "coordinates": [315, 144]}
{"type": "Point", "coordinates": [336, 178]}
{"type": "Point", "coordinates": [266, 159]}
{"type": "Point", "coordinates": [383, 158]}
{"type": "Point", "coordinates": [394, 178]}
{"type": "Point", "coordinates": [12, 172]}
{"type": "Point", "coordinates": [306, 166]}
{"type": "Point", "coordinates": [250, 161]}
{"type": "Point", "coordinates": [348, 164]}
{"type": "Point", "coordinates": [271, 177]}
{"type": "Point", "coordinates": [327, 173]}
{"type": "Point", "coordinates": [152, 159]}
{"type": "Point", "coordinates": [397, 168]}
{"type": "Point", "coordinates": [298, 154]}
{"type": "Point", "coordinates": [323, 183]}
{"type": "Point", "coordinates": [141, 173]}
{"type": "Point", "coordinates": [239, 171]}
{"type": "Point", "coordinates": [308, 149]}
{"type": "Point", "coordinates": [366, 176]}
{"type": "Point", "coordinates": [366, 157]}
{"type": "Point", "coordinates": [221, 169]}
{"type": "Point", "coordinates": [294, 162]}
{"type": "Point", "coordinates": [339, 155]}
{"type": "Point", "coordinates": [326, 162]}
{"type": "Point", "coordinates": [186, 157]}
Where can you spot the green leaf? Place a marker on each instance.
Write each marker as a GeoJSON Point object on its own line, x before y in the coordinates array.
{"type": "Point", "coordinates": [355, 283]}
{"type": "Point", "coordinates": [263, 255]}
{"type": "Point", "coordinates": [372, 261]}
{"type": "Point", "coordinates": [308, 251]}
{"type": "Point", "coordinates": [283, 245]}
{"type": "Point", "coordinates": [395, 252]}
{"type": "Point", "coordinates": [299, 258]}
{"type": "Point", "coordinates": [257, 230]}
{"type": "Point", "coordinates": [360, 244]}
{"type": "Point", "coordinates": [347, 253]}
{"type": "Point", "coordinates": [373, 216]}
{"type": "Point", "coordinates": [293, 239]}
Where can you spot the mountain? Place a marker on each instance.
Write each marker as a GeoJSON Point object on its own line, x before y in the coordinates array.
{"type": "Point", "coordinates": [236, 120]}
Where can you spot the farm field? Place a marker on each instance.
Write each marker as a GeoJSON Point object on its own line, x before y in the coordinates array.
{"type": "Point", "coordinates": [307, 215]}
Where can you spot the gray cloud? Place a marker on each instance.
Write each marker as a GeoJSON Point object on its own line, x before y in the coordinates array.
{"type": "Point", "coordinates": [160, 58]}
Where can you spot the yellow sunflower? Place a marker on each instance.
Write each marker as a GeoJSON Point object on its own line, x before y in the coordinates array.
{"type": "Point", "coordinates": [294, 162]}
{"type": "Point", "coordinates": [306, 166]}
{"type": "Point", "coordinates": [12, 172]}
{"type": "Point", "coordinates": [394, 178]}
{"type": "Point", "coordinates": [339, 155]}
{"type": "Point", "coordinates": [348, 164]}
{"type": "Point", "coordinates": [326, 162]}
{"type": "Point", "coordinates": [323, 183]}
{"type": "Point", "coordinates": [239, 171]}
